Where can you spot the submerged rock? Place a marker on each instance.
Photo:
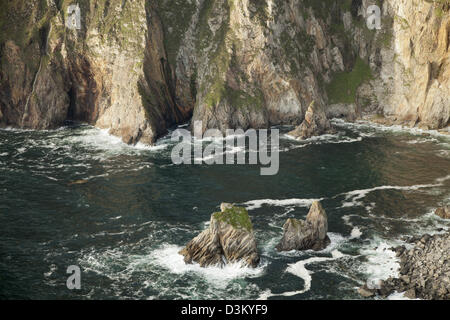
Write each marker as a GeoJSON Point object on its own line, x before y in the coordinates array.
{"type": "Point", "coordinates": [443, 212]}
{"type": "Point", "coordinates": [305, 235]}
{"type": "Point", "coordinates": [228, 239]}
{"type": "Point", "coordinates": [316, 123]}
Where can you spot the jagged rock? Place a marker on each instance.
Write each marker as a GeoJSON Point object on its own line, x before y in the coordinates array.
{"type": "Point", "coordinates": [252, 64]}
{"type": "Point", "coordinates": [316, 123]}
{"type": "Point", "coordinates": [366, 291]}
{"type": "Point", "coordinates": [424, 270]}
{"type": "Point", "coordinates": [305, 235]}
{"type": "Point", "coordinates": [411, 294]}
{"type": "Point", "coordinates": [228, 239]}
{"type": "Point", "coordinates": [119, 81]}
{"type": "Point", "coordinates": [443, 212]}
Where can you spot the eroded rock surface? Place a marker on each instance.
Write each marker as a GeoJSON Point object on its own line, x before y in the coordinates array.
{"type": "Point", "coordinates": [228, 239]}
{"type": "Point", "coordinates": [140, 67]}
{"type": "Point", "coordinates": [315, 124]}
{"type": "Point", "coordinates": [443, 212]}
{"type": "Point", "coordinates": [424, 270]}
{"type": "Point", "coordinates": [111, 72]}
{"type": "Point", "coordinates": [305, 235]}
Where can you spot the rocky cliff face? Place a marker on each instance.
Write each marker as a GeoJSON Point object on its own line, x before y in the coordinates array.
{"type": "Point", "coordinates": [139, 67]}
{"type": "Point", "coordinates": [112, 72]}
{"type": "Point", "coordinates": [412, 81]}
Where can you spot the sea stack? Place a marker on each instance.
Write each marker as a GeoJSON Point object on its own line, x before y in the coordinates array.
{"type": "Point", "coordinates": [316, 123]}
{"type": "Point", "coordinates": [306, 235]}
{"type": "Point", "coordinates": [229, 239]}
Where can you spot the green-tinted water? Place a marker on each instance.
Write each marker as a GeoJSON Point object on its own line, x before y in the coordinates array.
{"type": "Point", "coordinates": [77, 196]}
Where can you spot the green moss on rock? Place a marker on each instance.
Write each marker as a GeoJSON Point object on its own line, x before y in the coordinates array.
{"type": "Point", "coordinates": [242, 99]}
{"type": "Point", "coordinates": [345, 84]}
{"type": "Point", "coordinates": [237, 217]}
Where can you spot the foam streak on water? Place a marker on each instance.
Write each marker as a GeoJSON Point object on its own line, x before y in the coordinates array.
{"type": "Point", "coordinates": [299, 269]}
{"type": "Point", "coordinates": [81, 196]}
{"type": "Point", "coordinates": [255, 204]}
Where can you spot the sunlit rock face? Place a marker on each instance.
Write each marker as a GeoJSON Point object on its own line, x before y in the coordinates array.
{"type": "Point", "coordinates": [309, 234]}
{"type": "Point", "coordinates": [228, 239]}
{"type": "Point", "coordinates": [112, 72]}
{"type": "Point", "coordinates": [414, 77]}
{"type": "Point", "coordinates": [443, 212]}
{"type": "Point", "coordinates": [139, 67]}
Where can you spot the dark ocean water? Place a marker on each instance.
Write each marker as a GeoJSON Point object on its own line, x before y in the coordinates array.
{"type": "Point", "coordinates": [77, 196]}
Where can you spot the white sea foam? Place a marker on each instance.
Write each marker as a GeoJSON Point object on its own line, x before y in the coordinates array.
{"type": "Point", "coordinates": [364, 124]}
{"type": "Point", "coordinates": [381, 263]}
{"type": "Point", "coordinates": [443, 179]}
{"type": "Point", "coordinates": [324, 139]}
{"type": "Point", "coordinates": [220, 155]}
{"type": "Point", "coordinates": [399, 296]}
{"type": "Point", "coordinates": [423, 140]}
{"type": "Point", "coordinates": [356, 233]}
{"type": "Point", "coordinates": [100, 139]}
{"type": "Point", "coordinates": [169, 258]}
{"type": "Point", "coordinates": [255, 204]}
{"type": "Point", "coordinates": [429, 223]}
{"type": "Point", "coordinates": [299, 269]}
{"type": "Point", "coordinates": [18, 130]}
{"type": "Point", "coordinates": [53, 268]}
{"type": "Point", "coordinates": [352, 197]}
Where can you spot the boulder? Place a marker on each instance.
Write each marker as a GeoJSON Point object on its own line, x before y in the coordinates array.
{"type": "Point", "coordinates": [424, 270]}
{"type": "Point", "coordinates": [305, 235]}
{"type": "Point", "coordinates": [366, 292]}
{"type": "Point", "coordinates": [316, 123]}
{"type": "Point", "coordinates": [443, 212]}
{"type": "Point", "coordinates": [229, 239]}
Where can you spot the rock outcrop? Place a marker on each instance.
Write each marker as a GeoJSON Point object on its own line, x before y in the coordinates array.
{"type": "Point", "coordinates": [229, 239]}
{"type": "Point", "coordinates": [316, 123]}
{"type": "Point", "coordinates": [443, 212]}
{"type": "Point", "coordinates": [424, 270]}
{"type": "Point", "coordinates": [111, 71]}
{"type": "Point", "coordinates": [305, 235]}
{"type": "Point", "coordinates": [140, 67]}
{"type": "Point", "coordinates": [411, 66]}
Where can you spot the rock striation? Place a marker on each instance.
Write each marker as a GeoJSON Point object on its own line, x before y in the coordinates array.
{"type": "Point", "coordinates": [228, 239]}
{"type": "Point", "coordinates": [443, 212]}
{"type": "Point", "coordinates": [112, 71]}
{"type": "Point", "coordinates": [316, 123]}
{"type": "Point", "coordinates": [424, 270]}
{"type": "Point", "coordinates": [139, 67]}
{"type": "Point", "coordinates": [305, 235]}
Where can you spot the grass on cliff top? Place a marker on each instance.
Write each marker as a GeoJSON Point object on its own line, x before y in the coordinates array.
{"type": "Point", "coordinates": [237, 217]}
{"type": "Point", "coordinates": [343, 87]}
